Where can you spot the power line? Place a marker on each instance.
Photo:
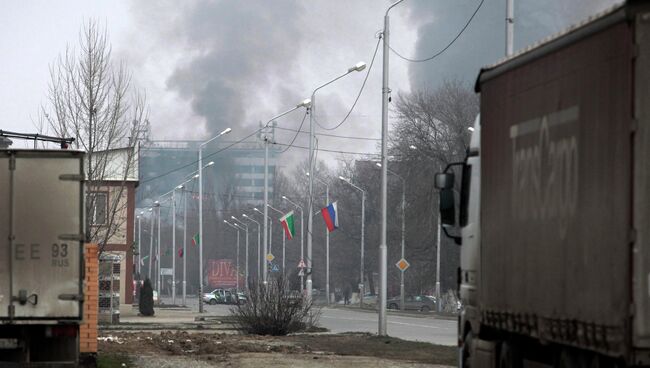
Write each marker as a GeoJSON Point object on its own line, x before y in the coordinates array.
{"type": "Point", "coordinates": [330, 135]}
{"type": "Point", "coordinates": [363, 85]}
{"type": "Point", "coordinates": [446, 47]}
{"type": "Point", "coordinates": [297, 131]}
{"type": "Point", "coordinates": [328, 150]}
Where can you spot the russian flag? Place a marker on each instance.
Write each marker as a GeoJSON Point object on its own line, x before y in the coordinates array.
{"type": "Point", "coordinates": [330, 216]}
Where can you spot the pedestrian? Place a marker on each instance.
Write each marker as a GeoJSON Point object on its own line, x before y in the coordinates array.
{"type": "Point", "coordinates": [346, 295]}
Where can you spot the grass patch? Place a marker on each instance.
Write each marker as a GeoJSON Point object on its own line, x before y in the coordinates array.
{"type": "Point", "coordinates": [112, 360]}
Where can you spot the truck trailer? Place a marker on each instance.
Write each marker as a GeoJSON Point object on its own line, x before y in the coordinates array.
{"type": "Point", "coordinates": [554, 210]}
{"type": "Point", "coordinates": [41, 258]}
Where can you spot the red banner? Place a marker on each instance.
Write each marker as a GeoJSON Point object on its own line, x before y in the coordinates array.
{"type": "Point", "coordinates": [222, 273]}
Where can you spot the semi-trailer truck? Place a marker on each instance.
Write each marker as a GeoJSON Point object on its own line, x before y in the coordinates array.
{"type": "Point", "coordinates": [554, 202]}
{"type": "Point", "coordinates": [41, 257]}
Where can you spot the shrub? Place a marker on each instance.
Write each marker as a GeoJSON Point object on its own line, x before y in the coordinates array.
{"type": "Point", "coordinates": [274, 309]}
{"type": "Point", "coordinates": [146, 299]}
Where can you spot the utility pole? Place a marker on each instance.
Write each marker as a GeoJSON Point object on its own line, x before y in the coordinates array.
{"type": "Point", "coordinates": [266, 210]}
{"type": "Point", "coordinates": [510, 25]}
{"type": "Point", "coordinates": [383, 248]}
{"type": "Point", "coordinates": [327, 248]}
{"type": "Point", "coordinates": [158, 258]}
{"type": "Point", "coordinates": [184, 245]}
{"type": "Point", "coordinates": [174, 246]}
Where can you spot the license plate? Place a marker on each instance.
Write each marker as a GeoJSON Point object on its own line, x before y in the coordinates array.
{"type": "Point", "coordinates": [8, 343]}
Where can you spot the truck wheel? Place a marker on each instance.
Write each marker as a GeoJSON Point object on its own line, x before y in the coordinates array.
{"type": "Point", "coordinates": [466, 350]}
{"type": "Point", "coordinates": [509, 356]}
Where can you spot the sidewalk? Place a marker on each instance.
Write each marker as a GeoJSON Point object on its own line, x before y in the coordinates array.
{"type": "Point", "coordinates": [168, 318]}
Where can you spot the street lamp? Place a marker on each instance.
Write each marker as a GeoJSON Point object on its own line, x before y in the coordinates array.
{"type": "Point", "coordinates": [438, 243]}
{"type": "Point", "coordinates": [259, 263]}
{"type": "Point", "coordinates": [302, 255]}
{"type": "Point", "coordinates": [310, 208]}
{"type": "Point", "coordinates": [225, 131]}
{"type": "Point", "coordinates": [401, 284]}
{"type": "Point", "coordinates": [234, 226]}
{"type": "Point", "coordinates": [362, 289]}
{"type": "Point", "coordinates": [246, 226]}
{"type": "Point", "coordinates": [305, 103]}
{"type": "Point", "coordinates": [156, 204]}
{"type": "Point", "coordinates": [327, 242]}
{"type": "Point", "coordinates": [263, 269]}
{"type": "Point", "coordinates": [139, 245]}
{"type": "Point", "coordinates": [284, 236]}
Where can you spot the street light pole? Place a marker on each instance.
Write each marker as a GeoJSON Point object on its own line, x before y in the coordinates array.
{"type": "Point", "coordinates": [306, 104]}
{"type": "Point", "coordinates": [438, 243]}
{"type": "Point", "coordinates": [362, 289]}
{"type": "Point", "coordinates": [310, 208]}
{"type": "Point", "coordinates": [283, 240]}
{"type": "Point", "coordinates": [140, 245]}
{"type": "Point", "coordinates": [234, 226]}
{"type": "Point", "coordinates": [245, 268]}
{"type": "Point", "coordinates": [158, 257]}
{"type": "Point", "coordinates": [258, 243]}
{"type": "Point", "coordinates": [151, 256]}
{"type": "Point", "coordinates": [383, 248]}
{"type": "Point", "coordinates": [182, 188]}
{"type": "Point", "coordinates": [327, 242]}
{"type": "Point", "coordinates": [201, 240]}
{"type": "Point", "coordinates": [401, 285]}
{"type": "Point", "coordinates": [302, 277]}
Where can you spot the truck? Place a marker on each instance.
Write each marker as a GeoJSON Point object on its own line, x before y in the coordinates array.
{"type": "Point", "coordinates": [554, 202]}
{"type": "Point", "coordinates": [41, 262]}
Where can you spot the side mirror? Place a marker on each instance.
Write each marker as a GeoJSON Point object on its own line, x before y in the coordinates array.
{"type": "Point", "coordinates": [447, 206]}
{"type": "Point", "coordinates": [444, 180]}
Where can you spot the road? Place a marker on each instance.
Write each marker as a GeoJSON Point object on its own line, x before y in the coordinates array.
{"type": "Point", "coordinates": [414, 328]}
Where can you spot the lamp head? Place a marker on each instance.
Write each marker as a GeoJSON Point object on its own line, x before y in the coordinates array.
{"type": "Point", "coordinates": [284, 197]}
{"type": "Point", "coordinates": [471, 129]}
{"type": "Point", "coordinates": [357, 67]}
{"type": "Point", "coordinates": [180, 186]}
{"type": "Point", "coordinates": [226, 222]}
{"type": "Point", "coordinates": [413, 147]}
{"type": "Point", "coordinates": [195, 176]}
{"type": "Point", "coordinates": [233, 217]}
{"type": "Point", "coordinates": [245, 215]}
{"type": "Point", "coordinates": [305, 103]}
{"type": "Point", "coordinates": [378, 164]}
{"type": "Point", "coordinates": [209, 163]}
{"type": "Point", "coordinates": [225, 131]}
{"type": "Point", "coordinates": [344, 179]}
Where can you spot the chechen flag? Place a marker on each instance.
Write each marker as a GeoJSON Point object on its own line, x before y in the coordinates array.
{"type": "Point", "coordinates": [330, 216]}
{"type": "Point", "coordinates": [287, 225]}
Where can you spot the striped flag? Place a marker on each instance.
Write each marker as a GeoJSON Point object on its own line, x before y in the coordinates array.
{"type": "Point", "coordinates": [287, 225]}
{"type": "Point", "coordinates": [196, 239]}
{"type": "Point", "coordinates": [330, 216]}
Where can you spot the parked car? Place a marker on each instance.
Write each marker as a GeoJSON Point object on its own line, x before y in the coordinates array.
{"type": "Point", "coordinates": [224, 296]}
{"type": "Point", "coordinates": [412, 302]}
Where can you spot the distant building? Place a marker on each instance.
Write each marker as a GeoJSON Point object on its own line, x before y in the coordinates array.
{"type": "Point", "coordinates": [237, 173]}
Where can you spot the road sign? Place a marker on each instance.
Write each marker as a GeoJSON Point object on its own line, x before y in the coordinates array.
{"type": "Point", "coordinates": [166, 271]}
{"type": "Point", "coordinates": [301, 272]}
{"type": "Point", "coordinates": [302, 264]}
{"type": "Point", "coordinates": [402, 264]}
{"type": "Point", "coordinates": [275, 268]}
{"type": "Point", "coordinates": [270, 257]}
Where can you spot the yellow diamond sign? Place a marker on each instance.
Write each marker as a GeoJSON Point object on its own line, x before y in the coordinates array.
{"type": "Point", "coordinates": [270, 257]}
{"type": "Point", "coordinates": [402, 265]}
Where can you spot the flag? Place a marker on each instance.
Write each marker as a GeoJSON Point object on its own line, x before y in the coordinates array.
{"type": "Point", "coordinates": [287, 225]}
{"type": "Point", "coordinates": [142, 260]}
{"type": "Point", "coordinates": [195, 239]}
{"type": "Point", "coordinates": [180, 252]}
{"type": "Point", "coordinates": [330, 216]}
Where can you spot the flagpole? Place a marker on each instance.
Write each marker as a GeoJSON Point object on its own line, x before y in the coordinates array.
{"type": "Point", "coordinates": [184, 245]}
{"type": "Point", "coordinates": [327, 249]}
{"type": "Point", "coordinates": [174, 247]}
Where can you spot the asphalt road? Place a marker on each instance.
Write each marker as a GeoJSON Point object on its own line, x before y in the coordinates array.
{"type": "Point", "coordinates": [425, 328]}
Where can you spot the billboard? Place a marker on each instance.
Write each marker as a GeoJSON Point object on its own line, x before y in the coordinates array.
{"type": "Point", "coordinates": [222, 273]}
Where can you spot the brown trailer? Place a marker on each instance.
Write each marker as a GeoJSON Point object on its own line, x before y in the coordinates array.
{"type": "Point", "coordinates": [565, 195]}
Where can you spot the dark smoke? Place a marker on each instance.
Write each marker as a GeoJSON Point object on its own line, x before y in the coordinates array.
{"type": "Point", "coordinates": [237, 46]}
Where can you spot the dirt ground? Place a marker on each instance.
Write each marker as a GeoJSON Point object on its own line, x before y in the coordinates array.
{"type": "Point", "coordinates": [192, 349]}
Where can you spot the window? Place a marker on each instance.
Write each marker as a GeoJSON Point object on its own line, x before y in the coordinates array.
{"type": "Point", "coordinates": [99, 207]}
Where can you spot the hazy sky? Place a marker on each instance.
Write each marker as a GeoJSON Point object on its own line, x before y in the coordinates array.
{"type": "Point", "coordinates": [206, 65]}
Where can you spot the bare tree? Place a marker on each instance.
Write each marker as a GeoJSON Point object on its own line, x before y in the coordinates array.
{"type": "Point", "coordinates": [92, 99]}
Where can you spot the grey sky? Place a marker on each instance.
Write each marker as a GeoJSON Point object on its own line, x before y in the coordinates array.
{"type": "Point", "coordinates": [210, 64]}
